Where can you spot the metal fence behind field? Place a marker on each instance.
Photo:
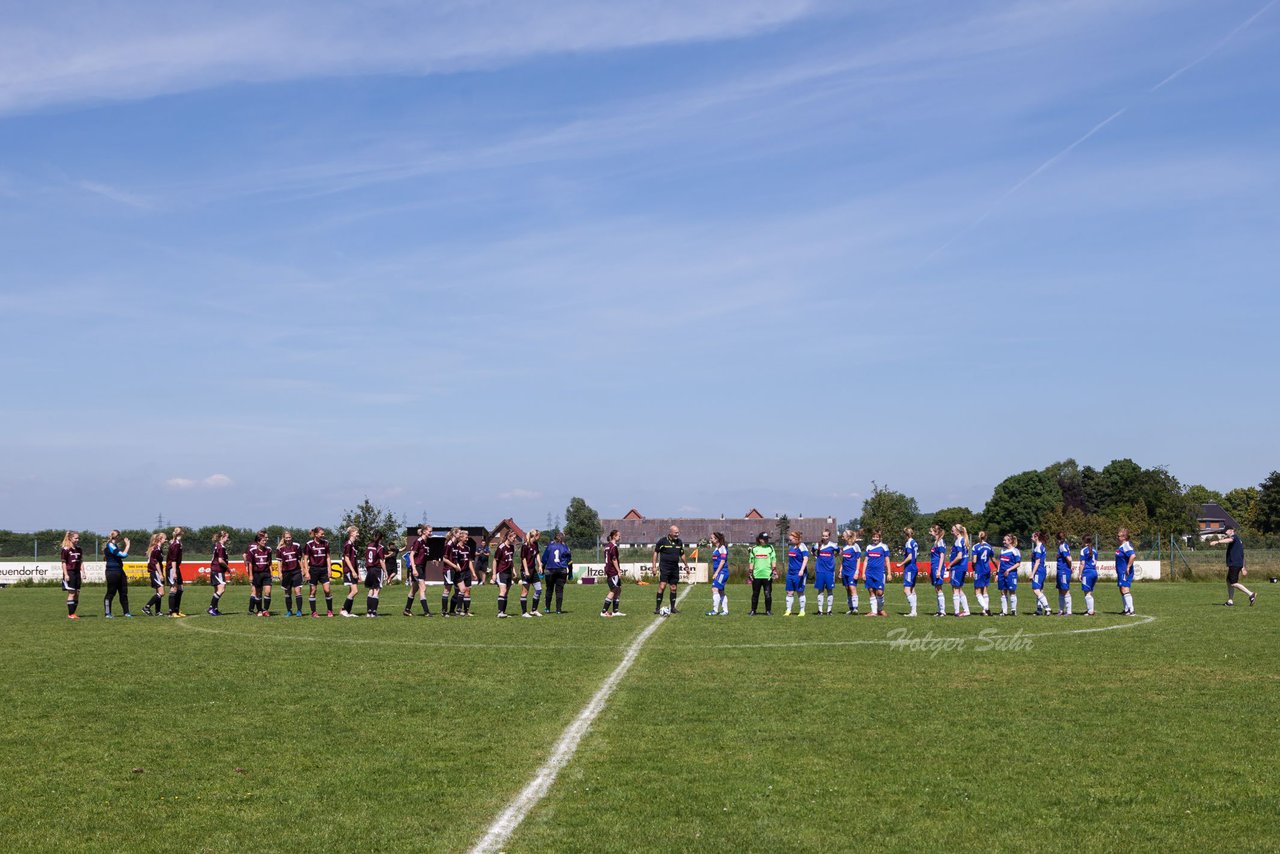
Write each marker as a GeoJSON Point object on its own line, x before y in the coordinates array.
{"type": "Point", "coordinates": [1210, 564]}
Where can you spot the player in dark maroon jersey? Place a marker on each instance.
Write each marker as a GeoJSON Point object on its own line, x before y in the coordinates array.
{"type": "Point", "coordinates": [72, 563]}
{"type": "Point", "coordinates": [219, 572]}
{"type": "Point", "coordinates": [458, 559]}
{"type": "Point", "coordinates": [350, 570]}
{"type": "Point", "coordinates": [417, 579]}
{"type": "Point", "coordinates": [317, 552]}
{"type": "Point", "coordinates": [504, 560]}
{"type": "Point", "coordinates": [374, 555]}
{"type": "Point", "coordinates": [173, 573]}
{"type": "Point", "coordinates": [258, 562]}
{"type": "Point", "coordinates": [612, 577]}
{"type": "Point", "coordinates": [155, 573]}
{"type": "Point", "coordinates": [529, 575]}
{"type": "Point", "coordinates": [453, 558]}
{"type": "Point", "coordinates": [289, 554]}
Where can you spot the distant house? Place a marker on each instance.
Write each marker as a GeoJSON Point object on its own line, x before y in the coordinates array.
{"type": "Point", "coordinates": [635, 529]}
{"type": "Point", "coordinates": [507, 526]}
{"type": "Point", "coordinates": [1212, 520]}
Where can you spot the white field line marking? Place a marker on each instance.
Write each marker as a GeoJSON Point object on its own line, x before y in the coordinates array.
{"type": "Point", "coordinates": [1141, 621]}
{"type": "Point", "coordinates": [519, 808]}
{"type": "Point", "coordinates": [189, 626]}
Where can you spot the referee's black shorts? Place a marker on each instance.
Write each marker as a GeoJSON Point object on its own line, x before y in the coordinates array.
{"type": "Point", "coordinates": [669, 575]}
{"type": "Point", "coordinates": [1233, 574]}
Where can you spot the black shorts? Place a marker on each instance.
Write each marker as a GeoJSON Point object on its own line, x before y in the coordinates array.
{"type": "Point", "coordinates": [349, 576]}
{"type": "Point", "coordinates": [505, 577]}
{"type": "Point", "coordinates": [261, 579]}
{"type": "Point", "coordinates": [174, 575]}
{"type": "Point", "coordinates": [217, 578]}
{"type": "Point", "coordinates": [529, 578]}
{"type": "Point", "coordinates": [669, 575]}
{"type": "Point", "coordinates": [318, 574]}
{"type": "Point", "coordinates": [418, 572]}
{"type": "Point", "coordinates": [71, 582]}
{"type": "Point", "coordinates": [155, 578]}
{"type": "Point", "coordinates": [1233, 574]}
{"type": "Point", "coordinates": [373, 579]}
{"type": "Point", "coordinates": [291, 578]}
{"type": "Point", "coordinates": [614, 581]}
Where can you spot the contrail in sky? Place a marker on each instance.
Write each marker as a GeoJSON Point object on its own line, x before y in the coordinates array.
{"type": "Point", "coordinates": [994, 206]}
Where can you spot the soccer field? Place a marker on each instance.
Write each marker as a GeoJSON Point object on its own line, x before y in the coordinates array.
{"type": "Point", "coordinates": [246, 734]}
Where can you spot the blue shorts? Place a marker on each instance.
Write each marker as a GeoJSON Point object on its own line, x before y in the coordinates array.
{"type": "Point", "coordinates": [909, 574]}
{"type": "Point", "coordinates": [719, 580]}
{"type": "Point", "coordinates": [848, 577]}
{"type": "Point", "coordinates": [1087, 581]}
{"type": "Point", "coordinates": [982, 579]}
{"type": "Point", "coordinates": [874, 581]}
{"type": "Point", "coordinates": [1037, 580]}
{"type": "Point", "coordinates": [957, 576]}
{"type": "Point", "coordinates": [824, 581]}
{"type": "Point", "coordinates": [795, 583]}
{"type": "Point", "coordinates": [937, 577]}
{"type": "Point", "coordinates": [1064, 580]}
{"type": "Point", "coordinates": [1124, 580]}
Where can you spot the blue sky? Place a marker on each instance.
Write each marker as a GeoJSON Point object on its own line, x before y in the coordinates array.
{"type": "Point", "coordinates": [472, 258]}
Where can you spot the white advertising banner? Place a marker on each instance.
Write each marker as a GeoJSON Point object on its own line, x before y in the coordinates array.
{"type": "Point", "coordinates": [593, 573]}
{"type": "Point", "coordinates": [93, 572]}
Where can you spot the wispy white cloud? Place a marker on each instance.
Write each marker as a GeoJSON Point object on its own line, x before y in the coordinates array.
{"type": "Point", "coordinates": [116, 194]}
{"type": "Point", "coordinates": [519, 495]}
{"type": "Point", "coordinates": [79, 51]}
{"type": "Point", "coordinates": [213, 481]}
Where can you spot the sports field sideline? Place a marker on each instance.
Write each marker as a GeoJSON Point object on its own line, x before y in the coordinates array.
{"type": "Point", "coordinates": [240, 733]}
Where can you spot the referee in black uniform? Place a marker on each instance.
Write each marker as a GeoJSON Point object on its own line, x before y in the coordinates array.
{"type": "Point", "coordinates": [1235, 566]}
{"type": "Point", "coordinates": [668, 557]}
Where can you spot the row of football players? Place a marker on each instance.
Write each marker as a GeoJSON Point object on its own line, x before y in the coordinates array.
{"type": "Point", "coordinates": [947, 567]}
{"type": "Point", "coordinates": [164, 570]}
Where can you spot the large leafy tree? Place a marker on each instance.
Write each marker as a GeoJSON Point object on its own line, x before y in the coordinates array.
{"type": "Point", "coordinates": [948, 516]}
{"type": "Point", "coordinates": [888, 510]}
{"type": "Point", "coordinates": [370, 519]}
{"type": "Point", "coordinates": [1198, 494]}
{"type": "Point", "coordinates": [1070, 480]}
{"type": "Point", "coordinates": [1266, 514]}
{"type": "Point", "coordinates": [581, 525]}
{"type": "Point", "coordinates": [1020, 502]}
{"type": "Point", "coordinates": [1242, 504]}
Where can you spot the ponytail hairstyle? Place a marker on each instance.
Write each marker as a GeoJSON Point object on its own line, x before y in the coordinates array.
{"type": "Point", "coordinates": [613, 533]}
{"type": "Point", "coordinates": [260, 537]}
{"type": "Point", "coordinates": [352, 530]}
{"type": "Point", "coordinates": [909, 532]}
{"type": "Point", "coordinates": [1037, 537]}
{"type": "Point", "coordinates": [177, 532]}
{"type": "Point", "coordinates": [937, 531]}
{"type": "Point", "coordinates": [982, 536]}
{"type": "Point", "coordinates": [1123, 534]}
{"type": "Point", "coordinates": [717, 538]}
{"type": "Point", "coordinates": [1087, 541]}
{"type": "Point", "coordinates": [377, 538]}
{"type": "Point", "coordinates": [963, 532]}
{"type": "Point", "coordinates": [1060, 537]}
{"type": "Point", "coordinates": [1013, 540]}
{"type": "Point", "coordinates": [217, 538]}
{"type": "Point", "coordinates": [156, 539]}
{"type": "Point", "coordinates": [113, 535]}
{"type": "Point", "coordinates": [66, 539]}
{"type": "Point", "coordinates": [316, 531]}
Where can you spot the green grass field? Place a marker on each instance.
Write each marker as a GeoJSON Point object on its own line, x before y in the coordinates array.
{"type": "Point", "coordinates": [245, 734]}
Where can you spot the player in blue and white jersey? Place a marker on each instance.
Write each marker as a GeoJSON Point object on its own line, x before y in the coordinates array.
{"type": "Point", "coordinates": [937, 567]}
{"type": "Point", "coordinates": [1007, 576]}
{"type": "Point", "coordinates": [957, 566]}
{"type": "Point", "coordinates": [910, 553]}
{"type": "Point", "coordinates": [875, 569]}
{"type": "Point", "coordinates": [719, 575]}
{"type": "Point", "coordinates": [797, 570]}
{"type": "Point", "coordinates": [982, 553]}
{"type": "Point", "coordinates": [850, 559]}
{"type": "Point", "coordinates": [1124, 570]}
{"type": "Point", "coordinates": [824, 572]}
{"type": "Point", "coordinates": [1088, 573]}
{"type": "Point", "coordinates": [1063, 575]}
{"type": "Point", "coordinates": [1038, 572]}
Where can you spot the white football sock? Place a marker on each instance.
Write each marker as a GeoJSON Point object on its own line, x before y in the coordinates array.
{"type": "Point", "coordinates": [964, 600]}
{"type": "Point", "coordinates": [724, 602]}
{"type": "Point", "coordinates": [802, 603]}
{"type": "Point", "coordinates": [791, 598]}
{"type": "Point", "coordinates": [1004, 603]}
{"type": "Point", "coordinates": [1088, 602]}
{"type": "Point", "coordinates": [1128, 601]}
{"type": "Point", "coordinates": [1067, 596]}
{"type": "Point", "coordinates": [715, 600]}
{"type": "Point", "coordinates": [911, 601]}
{"type": "Point", "coordinates": [1013, 601]}
{"type": "Point", "coordinates": [942, 602]}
